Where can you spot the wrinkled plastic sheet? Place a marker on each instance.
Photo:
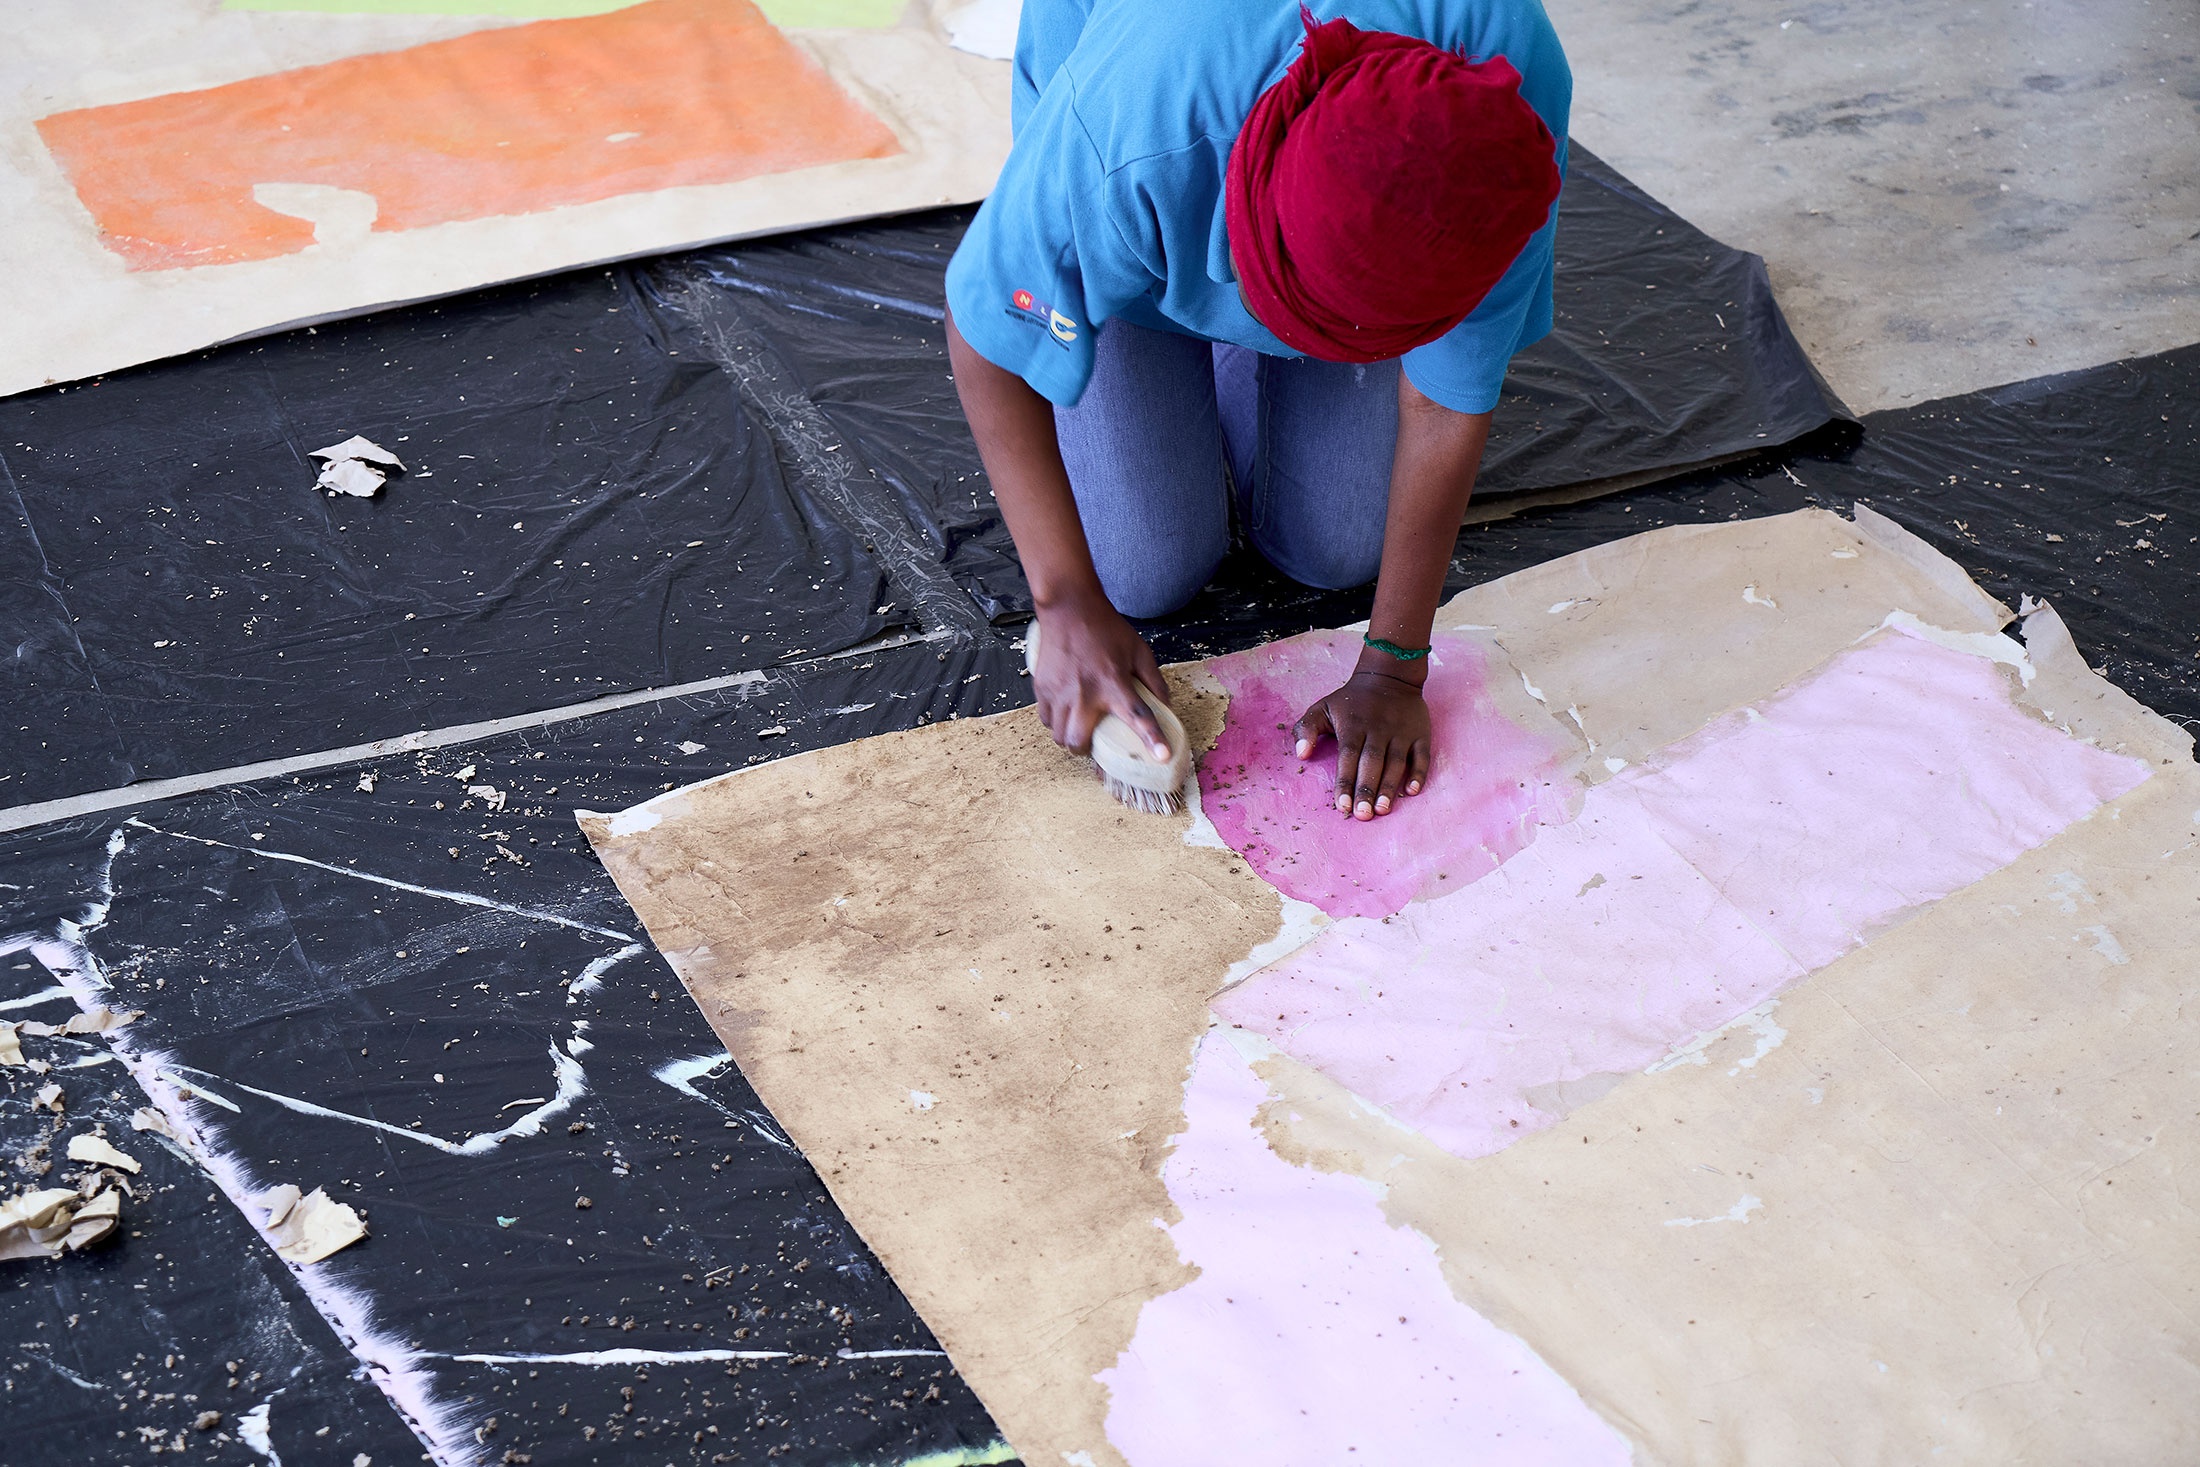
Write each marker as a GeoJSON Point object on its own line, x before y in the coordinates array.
{"type": "Point", "coordinates": [322, 943]}
{"type": "Point", "coordinates": [663, 473]}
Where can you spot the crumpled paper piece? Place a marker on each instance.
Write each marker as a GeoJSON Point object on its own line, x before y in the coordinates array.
{"type": "Point", "coordinates": [50, 1221]}
{"type": "Point", "coordinates": [355, 466]}
{"type": "Point", "coordinates": [308, 1228]}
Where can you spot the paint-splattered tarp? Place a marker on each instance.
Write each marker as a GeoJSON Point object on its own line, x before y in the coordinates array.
{"type": "Point", "coordinates": [2138, 623]}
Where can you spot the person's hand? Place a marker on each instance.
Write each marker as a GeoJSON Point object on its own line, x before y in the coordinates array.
{"type": "Point", "coordinates": [1089, 661]}
{"type": "Point", "coordinates": [1381, 725]}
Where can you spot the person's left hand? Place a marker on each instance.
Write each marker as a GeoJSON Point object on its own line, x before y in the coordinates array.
{"type": "Point", "coordinates": [1381, 725]}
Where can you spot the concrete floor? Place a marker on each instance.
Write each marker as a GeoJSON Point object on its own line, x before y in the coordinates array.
{"type": "Point", "coordinates": [1948, 195]}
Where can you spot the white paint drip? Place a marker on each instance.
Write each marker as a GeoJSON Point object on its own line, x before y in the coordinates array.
{"type": "Point", "coordinates": [62, 1370]}
{"type": "Point", "coordinates": [1533, 691]}
{"type": "Point", "coordinates": [252, 1429]}
{"type": "Point", "coordinates": [572, 1085]}
{"type": "Point", "coordinates": [463, 898]}
{"type": "Point", "coordinates": [678, 1357]}
{"type": "Point", "coordinates": [681, 1075]}
{"type": "Point", "coordinates": [1758, 1020]}
{"type": "Point", "coordinates": [46, 995]}
{"type": "Point", "coordinates": [1993, 646]}
{"type": "Point", "coordinates": [1739, 1212]}
{"type": "Point", "coordinates": [591, 977]}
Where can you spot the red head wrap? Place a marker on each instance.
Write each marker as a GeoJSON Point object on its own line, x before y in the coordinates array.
{"type": "Point", "coordinates": [1380, 189]}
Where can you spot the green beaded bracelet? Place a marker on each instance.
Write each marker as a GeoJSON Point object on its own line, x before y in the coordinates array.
{"type": "Point", "coordinates": [1392, 649]}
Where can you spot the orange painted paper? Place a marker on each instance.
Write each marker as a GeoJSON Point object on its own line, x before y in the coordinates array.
{"type": "Point", "coordinates": [506, 121]}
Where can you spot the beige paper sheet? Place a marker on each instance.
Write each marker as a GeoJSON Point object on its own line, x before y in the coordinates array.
{"type": "Point", "coordinates": [91, 314]}
{"type": "Point", "coordinates": [970, 988]}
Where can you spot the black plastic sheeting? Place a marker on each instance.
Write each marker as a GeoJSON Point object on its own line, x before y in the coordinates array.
{"type": "Point", "coordinates": [255, 969]}
{"type": "Point", "coordinates": [409, 969]}
{"type": "Point", "coordinates": [657, 474]}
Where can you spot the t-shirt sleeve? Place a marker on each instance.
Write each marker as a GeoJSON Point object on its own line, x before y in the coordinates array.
{"type": "Point", "coordinates": [1046, 32]}
{"type": "Point", "coordinates": [1464, 369]}
{"type": "Point", "coordinates": [1017, 285]}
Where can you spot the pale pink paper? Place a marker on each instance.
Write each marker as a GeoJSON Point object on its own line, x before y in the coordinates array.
{"type": "Point", "coordinates": [1316, 1333]}
{"type": "Point", "coordinates": [1688, 891]}
{"type": "Point", "coordinates": [1491, 785]}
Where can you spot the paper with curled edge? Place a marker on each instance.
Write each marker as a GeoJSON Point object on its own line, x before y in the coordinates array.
{"type": "Point", "coordinates": [1942, 1170]}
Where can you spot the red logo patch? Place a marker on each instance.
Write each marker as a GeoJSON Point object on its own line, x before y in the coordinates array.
{"type": "Point", "coordinates": [1023, 300]}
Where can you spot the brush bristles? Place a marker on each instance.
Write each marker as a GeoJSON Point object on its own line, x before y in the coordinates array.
{"type": "Point", "coordinates": [1153, 802]}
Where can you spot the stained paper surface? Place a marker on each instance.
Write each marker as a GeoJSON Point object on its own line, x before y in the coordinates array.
{"type": "Point", "coordinates": [1796, 1073]}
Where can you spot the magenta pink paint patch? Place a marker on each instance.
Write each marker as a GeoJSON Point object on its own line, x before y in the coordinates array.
{"type": "Point", "coordinates": [1689, 890]}
{"type": "Point", "coordinates": [1316, 1333]}
{"type": "Point", "coordinates": [1492, 782]}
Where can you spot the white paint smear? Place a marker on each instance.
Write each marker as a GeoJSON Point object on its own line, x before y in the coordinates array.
{"type": "Point", "coordinates": [591, 977]}
{"type": "Point", "coordinates": [252, 1428]}
{"type": "Point", "coordinates": [1751, 596]}
{"type": "Point", "coordinates": [572, 1085]}
{"type": "Point", "coordinates": [627, 822]}
{"type": "Point", "coordinates": [1758, 1021]}
{"type": "Point", "coordinates": [1738, 1213]}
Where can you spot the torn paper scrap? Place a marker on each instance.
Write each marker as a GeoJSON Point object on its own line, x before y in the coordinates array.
{"type": "Point", "coordinates": [11, 1048]}
{"type": "Point", "coordinates": [145, 1118]}
{"type": "Point", "coordinates": [92, 1021]}
{"type": "Point", "coordinates": [308, 1228]}
{"type": "Point", "coordinates": [52, 1220]}
{"type": "Point", "coordinates": [355, 466]}
{"type": "Point", "coordinates": [49, 1097]}
{"type": "Point", "coordinates": [96, 1152]}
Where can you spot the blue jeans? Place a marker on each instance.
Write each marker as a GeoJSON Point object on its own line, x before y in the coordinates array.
{"type": "Point", "coordinates": [1308, 444]}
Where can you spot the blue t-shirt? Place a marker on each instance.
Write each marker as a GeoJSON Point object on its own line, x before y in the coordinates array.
{"type": "Point", "coordinates": [1110, 207]}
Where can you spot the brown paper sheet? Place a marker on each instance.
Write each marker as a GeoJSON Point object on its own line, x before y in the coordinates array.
{"type": "Point", "coordinates": [970, 988]}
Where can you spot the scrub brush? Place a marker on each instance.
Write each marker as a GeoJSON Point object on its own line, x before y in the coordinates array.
{"type": "Point", "coordinates": [1123, 757]}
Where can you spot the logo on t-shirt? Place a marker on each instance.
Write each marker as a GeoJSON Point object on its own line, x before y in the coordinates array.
{"type": "Point", "coordinates": [1025, 307]}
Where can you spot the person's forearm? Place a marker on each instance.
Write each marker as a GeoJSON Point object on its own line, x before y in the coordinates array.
{"type": "Point", "coordinates": [1431, 479]}
{"type": "Point", "coordinates": [1014, 428]}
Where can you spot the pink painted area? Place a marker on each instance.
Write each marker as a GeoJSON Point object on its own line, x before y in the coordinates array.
{"type": "Point", "coordinates": [1592, 951]}
{"type": "Point", "coordinates": [1491, 782]}
{"type": "Point", "coordinates": [1689, 890]}
{"type": "Point", "coordinates": [1900, 772]}
{"type": "Point", "coordinates": [1316, 1333]}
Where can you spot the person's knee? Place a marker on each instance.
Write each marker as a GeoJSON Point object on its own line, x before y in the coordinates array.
{"type": "Point", "coordinates": [1329, 542]}
{"type": "Point", "coordinates": [1152, 581]}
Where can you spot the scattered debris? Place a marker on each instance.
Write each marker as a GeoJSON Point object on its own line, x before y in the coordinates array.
{"type": "Point", "coordinates": [488, 794]}
{"type": "Point", "coordinates": [207, 1421]}
{"type": "Point", "coordinates": [689, 746]}
{"type": "Point", "coordinates": [308, 1228]}
{"type": "Point", "coordinates": [145, 1118]}
{"type": "Point", "coordinates": [50, 1221]}
{"type": "Point", "coordinates": [94, 1151]}
{"type": "Point", "coordinates": [366, 782]}
{"type": "Point", "coordinates": [50, 1098]}
{"type": "Point", "coordinates": [355, 466]}
{"type": "Point", "coordinates": [93, 1021]}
